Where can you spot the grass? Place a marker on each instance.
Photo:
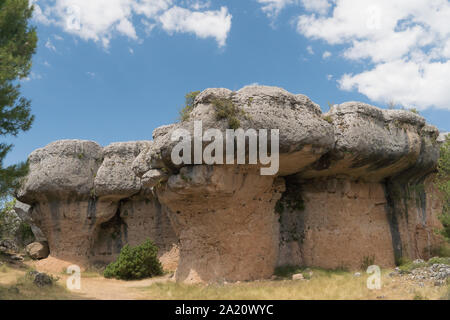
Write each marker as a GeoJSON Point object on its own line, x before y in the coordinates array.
{"type": "Point", "coordinates": [16, 285]}
{"type": "Point", "coordinates": [324, 284]}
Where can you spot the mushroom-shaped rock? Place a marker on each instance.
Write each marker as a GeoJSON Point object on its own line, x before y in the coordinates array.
{"type": "Point", "coordinates": [89, 203]}
{"type": "Point", "coordinates": [224, 218]}
{"type": "Point", "coordinates": [303, 133]}
{"type": "Point", "coordinates": [372, 144]}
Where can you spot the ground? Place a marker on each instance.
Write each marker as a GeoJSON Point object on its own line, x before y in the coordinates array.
{"type": "Point", "coordinates": [322, 285]}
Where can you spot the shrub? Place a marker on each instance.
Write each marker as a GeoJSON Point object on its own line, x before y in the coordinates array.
{"type": "Point", "coordinates": [225, 109]}
{"type": "Point", "coordinates": [328, 119]}
{"type": "Point", "coordinates": [189, 105]}
{"type": "Point", "coordinates": [135, 263]}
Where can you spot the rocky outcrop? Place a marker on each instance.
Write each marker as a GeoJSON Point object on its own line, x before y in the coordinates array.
{"type": "Point", "coordinates": [89, 203]}
{"type": "Point", "coordinates": [342, 193]}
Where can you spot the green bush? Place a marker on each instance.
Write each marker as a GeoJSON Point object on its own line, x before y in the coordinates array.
{"type": "Point", "coordinates": [135, 263]}
{"type": "Point", "coordinates": [189, 105]}
{"type": "Point", "coordinates": [226, 109]}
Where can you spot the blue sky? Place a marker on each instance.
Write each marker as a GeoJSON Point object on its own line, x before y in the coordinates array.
{"type": "Point", "coordinates": [106, 83]}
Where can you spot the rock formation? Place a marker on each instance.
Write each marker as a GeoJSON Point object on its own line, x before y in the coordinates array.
{"type": "Point", "coordinates": [353, 184]}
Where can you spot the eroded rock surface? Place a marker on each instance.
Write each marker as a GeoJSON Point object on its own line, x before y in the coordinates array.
{"type": "Point", "coordinates": [354, 185]}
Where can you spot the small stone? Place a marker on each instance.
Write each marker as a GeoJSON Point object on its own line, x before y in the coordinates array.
{"type": "Point", "coordinates": [17, 257]}
{"type": "Point", "coordinates": [42, 279]}
{"type": "Point", "coordinates": [418, 261]}
{"type": "Point", "coordinates": [357, 274]}
{"type": "Point", "coordinates": [380, 297]}
{"type": "Point", "coordinates": [298, 276]}
{"type": "Point", "coordinates": [421, 284]}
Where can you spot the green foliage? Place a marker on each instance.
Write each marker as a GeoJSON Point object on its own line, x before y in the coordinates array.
{"type": "Point", "coordinates": [443, 184]}
{"type": "Point", "coordinates": [225, 109]}
{"type": "Point", "coordinates": [327, 119]}
{"type": "Point", "coordinates": [439, 260]}
{"type": "Point", "coordinates": [8, 220]}
{"type": "Point", "coordinates": [24, 234]}
{"type": "Point", "coordinates": [135, 263]}
{"type": "Point", "coordinates": [189, 105]}
{"type": "Point", "coordinates": [17, 45]}
{"type": "Point", "coordinates": [414, 110]}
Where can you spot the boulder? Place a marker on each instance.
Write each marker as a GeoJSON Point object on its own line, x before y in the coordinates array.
{"type": "Point", "coordinates": [37, 250]}
{"type": "Point", "coordinates": [298, 276]}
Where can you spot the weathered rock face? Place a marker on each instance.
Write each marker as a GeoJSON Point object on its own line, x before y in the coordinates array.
{"type": "Point", "coordinates": [225, 220]}
{"type": "Point", "coordinates": [342, 193]}
{"type": "Point", "coordinates": [86, 213]}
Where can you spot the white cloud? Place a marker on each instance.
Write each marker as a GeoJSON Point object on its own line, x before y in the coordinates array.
{"type": "Point", "coordinates": [151, 8]}
{"type": "Point", "coordinates": [32, 76]}
{"type": "Point", "coordinates": [49, 45]}
{"type": "Point", "coordinates": [329, 77]}
{"type": "Point", "coordinates": [273, 7]}
{"type": "Point", "coordinates": [310, 50]}
{"type": "Point", "coordinates": [319, 6]}
{"type": "Point", "coordinates": [101, 20]}
{"type": "Point", "coordinates": [204, 24]}
{"type": "Point", "coordinates": [326, 55]}
{"type": "Point", "coordinates": [91, 74]}
{"type": "Point", "coordinates": [405, 44]}
{"type": "Point", "coordinates": [131, 50]}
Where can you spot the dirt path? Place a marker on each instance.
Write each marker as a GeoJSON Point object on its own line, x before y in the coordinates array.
{"type": "Point", "coordinates": [94, 286]}
{"type": "Point", "coordinates": [99, 288]}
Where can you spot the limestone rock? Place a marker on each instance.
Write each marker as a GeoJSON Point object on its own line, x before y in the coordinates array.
{"type": "Point", "coordinates": [62, 169]}
{"type": "Point", "coordinates": [259, 107]}
{"type": "Point", "coordinates": [37, 250]}
{"type": "Point", "coordinates": [353, 183]}
{"type": "Point", "coordinates": [24, 212]}
{"type": "Point", "coordinates": [372, 144]}
{"type": "Point", "coordinates": [298, 276]}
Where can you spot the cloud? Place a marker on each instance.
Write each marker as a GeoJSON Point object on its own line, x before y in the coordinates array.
{"type": "Point", "coordinates": [204, 24]}
{"type": "Point", "coordinates": [32, 76]}
{"type": "Point", "coordinates": [91, 74]}
{"type": "Point", "coordinates": [326, 55]}
{"type": "Point", "coordinates": [273, 7]}
{"type": "Point", "coordinates": [319, 6]}
{"type": "Point", "coordinates": [101, 20]}
{"type": "Point", "coordinates": [49, 45]}
{"type": "Point", "coordinates": [310, 50]}
{"type": "Point", "coordinates": [405, 46]}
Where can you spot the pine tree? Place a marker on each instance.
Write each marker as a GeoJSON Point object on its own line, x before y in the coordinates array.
{"type": "Point", "coordinates": [17, 46]}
